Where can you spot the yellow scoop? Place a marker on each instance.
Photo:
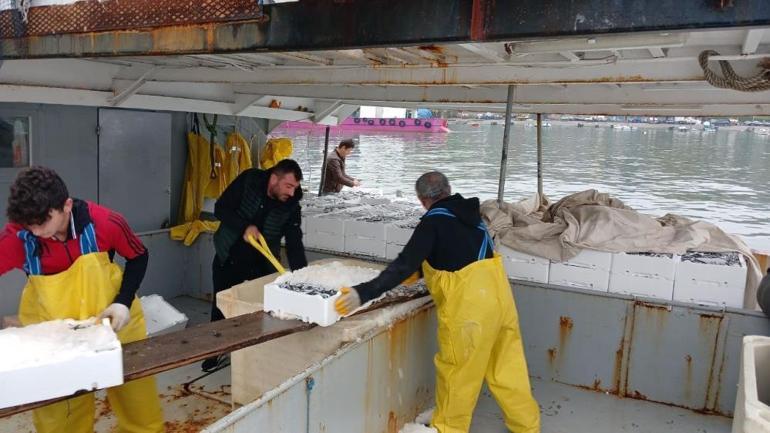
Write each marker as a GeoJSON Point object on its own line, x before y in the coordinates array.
{"type": "Point", "coordinates": [262, 247]}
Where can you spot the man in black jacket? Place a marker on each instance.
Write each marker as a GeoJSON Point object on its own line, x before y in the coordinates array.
{"type": "Point", "coordinates": [257, 201]}
{"type": "Point", "coordinates": [478, 332]}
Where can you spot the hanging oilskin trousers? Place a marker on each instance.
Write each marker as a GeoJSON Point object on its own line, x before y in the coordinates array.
{"type": "Point", "coordinates": [81, 292]}
{"type": "Point", "coordinates": [478, 339]}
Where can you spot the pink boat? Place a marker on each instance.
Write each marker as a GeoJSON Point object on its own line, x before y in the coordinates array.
{"type": "Point", "coordinates": [372, 124]}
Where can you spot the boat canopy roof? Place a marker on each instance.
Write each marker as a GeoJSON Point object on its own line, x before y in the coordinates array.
{"type": "Point", "coordinates": [235, 58]}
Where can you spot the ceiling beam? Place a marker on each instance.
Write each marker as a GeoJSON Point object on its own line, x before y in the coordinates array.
{"type": "Point", "coordinates": [656, 52]}
{"type": "Point", "coordinates": [307, 58]}
{"type": "Point", "coordinates": [243, 102]}
{"type": "Point", "coordinates": [483, 51]}
{"type": "Point", "coordinates": [600, 43]}
{"type": "Point", "coordinates": [131, 90]}
{"type": "Point", "coordinates": [751, 41]}
{"type": "Point", "coordinates": [323, 110]}
{"type": "Point", "coordinates": [569, 55]}
{"type": "Point", "coordinates": [363, 55]}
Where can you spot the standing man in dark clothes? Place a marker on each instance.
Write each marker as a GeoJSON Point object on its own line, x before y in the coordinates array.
{"type": "Point", "coordinates": [257, 201]}
{"type": "Point", "coordinates": [478, 326]}
{"type": "Point", "coordinates": [335, 177]}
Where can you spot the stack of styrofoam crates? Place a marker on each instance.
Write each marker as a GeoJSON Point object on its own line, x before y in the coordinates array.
{"type": "Point", "coordinates": [752, 409]}
{"type": "Point", "coordinates": [364, 236]}
{"type": "Point", "coordinates": [397, 235]}
{"type": "Point", "coordinates": [525, 267]}
{"type": "Point", "coordinates": [325, 232]}
{"type": "Point", "coordinates": [717, 279]}
{"type": "Point", "coordinates": [643, 274]}
{"type": "Point", "coordinates": [589, 270]}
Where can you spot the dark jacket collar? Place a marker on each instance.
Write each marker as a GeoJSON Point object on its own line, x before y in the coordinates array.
{"type": "Point", "coordinates": [467, 210]}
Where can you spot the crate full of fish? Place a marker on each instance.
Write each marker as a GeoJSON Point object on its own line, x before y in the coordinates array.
{"type": "Point", "coordinates": [711, 279]}
{"type": "Point", "coordinates": [308, 294]}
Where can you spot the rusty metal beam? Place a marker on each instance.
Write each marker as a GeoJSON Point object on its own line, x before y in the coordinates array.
{"type": "Point", "coordinates": [167, 27]}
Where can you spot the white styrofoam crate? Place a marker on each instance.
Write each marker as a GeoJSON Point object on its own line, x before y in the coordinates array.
{"type": "Point", "coordinates": [161, 317]}
{"type": "Point", "coordinates": [588, 270]}
{"type": "Point", "coordinates": [526, 267]}
{"type": "Point", "coordinates": [366, 246]}
{"type": "Point", "coordinates": [54, 377]}
{"type": "Point", "coordinates": [395, 234]}
{"type": "Point", "coordinates": [393, 250]}
{"type": "Point", "coordinates": [309, 308]}
{"type": "Point", "coordinates": [325, 233]}
{"type": "Point", "coordinates": [326, 224]}
{"type": "Point", "coordinates": [752, 413]}
{"type": "Point", "coordinates": [710, 284]}
{"type": "Point", "coordinates": [365, 229]}
{"type": "Point", "coordinates": [643, 275]}
{"type": "Point", "coordinates": [326, 241]}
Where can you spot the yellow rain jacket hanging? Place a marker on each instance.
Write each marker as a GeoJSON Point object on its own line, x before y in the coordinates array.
{"type": "Point", "coordinates": [209, 170]}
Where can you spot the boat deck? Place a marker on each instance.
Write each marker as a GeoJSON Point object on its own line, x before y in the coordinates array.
{"type": "Point", "coordinates": [193, 400]}
{"type": "Point", "coordinates": [568, 409]}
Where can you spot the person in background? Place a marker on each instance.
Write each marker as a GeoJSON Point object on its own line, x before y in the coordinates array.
{"type": "Point", "coordinates": [478, 326]}
{"type": "Point", "coordinates": [65, 246]}
{"type": "Point", "coordinates": [334, 175]}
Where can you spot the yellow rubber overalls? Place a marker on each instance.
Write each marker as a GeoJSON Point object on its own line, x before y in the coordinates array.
{"type": "Point", "coordinates": [478, 339]}
{"type": "Point", "coordinates": [81, 292]}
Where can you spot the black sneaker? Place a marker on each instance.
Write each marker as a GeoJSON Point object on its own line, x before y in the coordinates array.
{"type": "Point", "coordinates": [215, 363]}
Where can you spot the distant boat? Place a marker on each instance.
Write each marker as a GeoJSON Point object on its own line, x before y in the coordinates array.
{"type": "Point", "coordinates": [682, 128]}
{"type": "Point", "coordinates": [624, 127]}
{"type": "Point", "coordinates": [761, 131]}
{"type": "Point", "coordinates": [709, 129]}
{"type": "Point", "coordinates": [395, 124]}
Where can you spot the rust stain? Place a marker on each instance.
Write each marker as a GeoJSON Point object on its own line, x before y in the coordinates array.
{"type": "Point", "coordinates": [650, 306]}
{"type": "Point", "coordinates": [103, 407]}
{"type": "Point", "coordinates": [392, 423]}
{"type": "Point", "coordinates": [189, 426]}
{"type": "Point", "coordinates": [478, 20]}
{"type": "Point", "coordinates": [706, 322]}
{"type": "Point", "coordinates": [658, 313]}
{"type": "Point", "coordinates": [688, 377]}
{"type": "Point", "coordinates": [565, 328]}
{"type": "Point", "coordinates": [552, 355]}
{"type": "Point", "coordinates": [597, 385]}
{"type": "Point", "coordinates": [617, 370]}
{"type": "Point", "coordinates": [432, 48]}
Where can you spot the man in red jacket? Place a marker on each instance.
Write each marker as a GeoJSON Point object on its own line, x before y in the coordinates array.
{"type": "Point", "coordinates": [65, 246]}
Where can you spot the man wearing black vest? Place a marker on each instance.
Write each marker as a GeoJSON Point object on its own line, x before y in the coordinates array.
{"type": "Point", "coordinates": [257, 201]}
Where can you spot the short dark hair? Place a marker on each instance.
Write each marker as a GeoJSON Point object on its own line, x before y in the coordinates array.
{"type": "Point", "coordinates": [347, 143]}
{"type": "Point", "coordinates": [286, 166]}
{"type": "Point", "coordinates": [34, 193]}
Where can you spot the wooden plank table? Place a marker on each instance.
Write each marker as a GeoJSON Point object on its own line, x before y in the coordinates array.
{"type": "Point", "coordinates": [166, 352]}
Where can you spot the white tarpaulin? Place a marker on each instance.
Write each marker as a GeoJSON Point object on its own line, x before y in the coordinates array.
{"type": "Point", "coordinates": [594, 220]}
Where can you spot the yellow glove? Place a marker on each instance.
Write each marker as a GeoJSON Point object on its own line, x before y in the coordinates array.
{"type": "Point", "coordinates": [411, 279]}
{"type": "Point", "coordinates": [347, 302]}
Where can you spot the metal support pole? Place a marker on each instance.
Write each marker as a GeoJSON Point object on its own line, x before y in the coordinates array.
{"type": "Point", "coordinates": [506, 139]}
{"type": "Point", "coordinates": [540, 154]}
{"type": "Point", "coordinates": [323, 166]}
